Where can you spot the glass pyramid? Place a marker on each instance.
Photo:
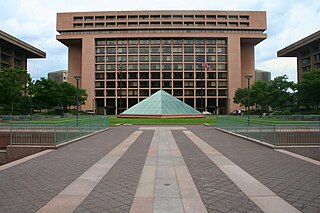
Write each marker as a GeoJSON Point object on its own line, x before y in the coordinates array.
{"type": "Point", "coordinates": [161, 103]}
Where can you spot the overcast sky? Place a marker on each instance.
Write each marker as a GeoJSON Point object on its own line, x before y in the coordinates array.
{"type": "Point", "coordinates": [34, 21]}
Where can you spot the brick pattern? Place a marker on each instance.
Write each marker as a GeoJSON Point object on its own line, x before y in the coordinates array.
{"type": "Point", "coordinates": [294, 180]}
{"type": "Point", "coordinates": [30, 185]}
{"type": "Point", "coordinates": [218, 192]}
{"type": "Point", "coordinates": [115, 192]}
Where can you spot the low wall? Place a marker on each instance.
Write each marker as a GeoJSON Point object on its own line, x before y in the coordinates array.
{"type": "Point", "coordinates": [310, 152]}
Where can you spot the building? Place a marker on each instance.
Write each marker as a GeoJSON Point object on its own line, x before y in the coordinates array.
{"type": "Point", "coordinates": [124, 57]}
{"type": "Point", "coordinates": [59, 75]}
{"type": "Point", "coordinates": [262, 75]}
{"type": "Point", "coordinates": [307, 52]}
{"type": "Point", "coordinates": [14, 52]}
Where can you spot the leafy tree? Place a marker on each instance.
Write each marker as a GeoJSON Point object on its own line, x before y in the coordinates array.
{"type": "Point", "coordinates": [241, 96]}
{"type": "Point", "coordinates": [14, 83]}
{"type": "Point", "coordinates": [260, 93]}
{"type": "Point", "coordinates": [309, 89]}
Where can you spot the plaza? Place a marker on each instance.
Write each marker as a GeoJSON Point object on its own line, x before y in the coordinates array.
{"type": "Point", "coordinates": [161, 168]}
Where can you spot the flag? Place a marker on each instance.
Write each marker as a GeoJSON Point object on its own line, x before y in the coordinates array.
{"type": "Point", "coordinates": [206, 65]}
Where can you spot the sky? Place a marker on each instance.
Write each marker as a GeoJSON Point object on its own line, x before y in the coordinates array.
{"type": "Point", "coordinates": [34, 22]}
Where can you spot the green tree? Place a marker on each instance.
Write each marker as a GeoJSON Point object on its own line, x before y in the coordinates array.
{"type": "Point", "coordinates": [260, 93]}
{"type": "Point", "coordinates": [241, 96]}
{"type": "Point", "coordinates": [309, 89]}
{"type": "Point", "coordinates": [14, 83]}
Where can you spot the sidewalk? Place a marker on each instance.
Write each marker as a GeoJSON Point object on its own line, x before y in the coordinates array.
{"type": "Point", "coordinates": [190, 168]}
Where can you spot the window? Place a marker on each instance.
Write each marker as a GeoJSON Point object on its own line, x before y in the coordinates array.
{"type": "Point", "coordinates": [133, 50]}
{"type": "Point", "coordinates": [133, 67]}
{"type": "Point", "coordinates": [166, 58]}
{"type": "Point", "coordinates": [211, 58]}
{"type": "Point", "coordinates": [188, 50]}
{"type": "Point", "coordinates": [122, 50]}
{"type": "Point", "coordinates": [144, 75]}
{"type": "Point", "coordinates": [188, 58]}
{"type": "Point", "coordinates": [155, 58]}
{"type": "Point", "coordinates": [99, 59]}
{"type": "Point", "coordinates": [100, 42]}
{"type": "Point", "coordinates": [188, 84]}
{"type": "Point", "coordinates": [222, 58]}
{"type": "Point", "coordinates": [111, 67]}
{"type": "Point", "coordinates": [166, 66]}
{"type": "Point", "coordinates": [144, 50]}
{"type": "Point", "coordinates": [155, 67]}
{"type": "Point", "coordinates": [222, 50]}
{"type": "Point", "coordinates": [99, 67]}
{"type": "Point", "coordinates": [166, 75]}
{"type": "Point", "coordinates": [133, 58]}
{"type": "Point", "coordinates": [155, 49]}
{"type": "Point", "coordinates": [166, 49]}
{"type": "Point", "coordinates": [177, 49]}
{"type": "Point", "coordinates": [100, 50]}
{"type": "Point", "coordinates": [122, 58]}
{"type": "Point", "coordinates": [177, 66]}
{"type": "Point", "coordinates": [177, 58]}
{"type": "Point", "coordinates": [144, 58]}
{"type": "Point", "coordinates": [188, 67]}
{"type": "Point", "coordinates": [110, 58]}
{"type": "Point", "coordinates": [111, 50]}
{"type": "Point", "coordinates": [211, 50]}
{"type": "Point", "coordinates": [199, 49]}
{"type": "Point", "coordinates": [144, 66]}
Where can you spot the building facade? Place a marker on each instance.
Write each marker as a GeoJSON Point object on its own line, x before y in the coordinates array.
{"type": "Point", "coordinates": [307, 52]}
{"type": "Point", "coordinates": [262, 75]}
{"type": "Point", "coordinates": [59, 75]}
{"type": "Point", "coordinates": [14, 52]}
{"type": "Point", "coordinates": [200, 57]}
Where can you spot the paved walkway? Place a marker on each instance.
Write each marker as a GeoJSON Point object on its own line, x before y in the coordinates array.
{"type": "Point", "coordinates": [161, 169]}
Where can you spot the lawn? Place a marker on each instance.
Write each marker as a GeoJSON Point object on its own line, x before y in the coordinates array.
{"type": "Point", "coordinates": [208, 120]}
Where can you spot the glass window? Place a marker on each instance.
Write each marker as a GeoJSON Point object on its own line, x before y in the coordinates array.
{"type": "Point", "coordinates": [222, 75]}
{"type": "Point", "coordinates": [155, 75]}
{"type": "Point", "coordinates": [99, 59]}
{"type": "Point", "coordinates": [100, 42]}
{"type": "Point", "coordinates": [110, 58]}
{"type": "Point", "coordinates": [188, 67]}
{"type": "Point", "coordinates": [122, 58]}
{"type": "Point", "coordinates": [144, 50]}
{"type": "Point", "coordinates": [188, 49]}
{"type": "Point", "coordinates": [155, 58]}
{"type": "Point", "coordinates": [155, 67]}
{"type": "Point", "coordinates": [122, 50]}
{"type": "Point", "coordinates": [155, 49]}
{"type": "Point", "coordinates": [111, 76]}
{"type": "Point", "coordinates": [144, 75]}
{"type": "Point", "coordinates": [133, 41]}
{"type": "Point", "coordinates": [144, 58]}
{"type": "Point", "coordinates": [188, 41]}
{"type": "Point", "coordinates": [177, 49]}
{"type": "Point", "coordinates": [199, 49]}
{"type": "Point", "coordinates": [111, 50]}
{"type": "Point", "coordinates": [133, 67]}
{"type": "Point", "coordinates": [111, 43]}
{"type": "Point", "coordinates": [166, 58]}
{"type": "Point", "coordinates": [100, 50]}
{"type": "Point", "coordinates": [142, 41]}
{"type": "Point", "coordinates": [222, 58]}
{"type": "Point", "coordinates": [166, 49]}
{"type": "Point", "coordinates": [177, 75]}
{"type": "Point", "coordinates": [133, 58]}
{"type": "Point", "coordinates": [166, 75]}
{"type": "Point", "coordinates": [177, 84]}
{"type": "Point", "coordinates": [144, 66]}
{"type": "Point", "coordinates": [166, 41]}
{"type": "Point", "coordinates": [199, 41]}
{"type": "Point", "coordinates": [157, 41]}
{"type": "Point", "coordinates": [222, 67]}
{"type": "Point", "coordinates": [111, 67]}
{"type": "Point", "coordinates": [222, 50]}
{"type": "Point", "coordinates": [100, 67]}
{"type": "Point", "coordinates": [177, 66]}
{"type": "Point", "coordinates": [221, 42]}
{"type": "Point", "coordinates": [177, 41]}
{"type": "Point", "coordinates": [177, 58]}
{"type": "Point", "coordinates": [211, 50]}
{"type": "Point", "coordinates": [122, 42]}
{"type": "Point", "coordinates": [166, 66]}
{"type": "Point", "coordinates": [211, 41]}
{"type": "Point", "coordinates": [188, 58]}
{"type": "Point", "coordinates": [155, 84]}
{"type": "Point", "coordinates": [211, 58]}
{"type": "Point", "coordinates": [133, 50]}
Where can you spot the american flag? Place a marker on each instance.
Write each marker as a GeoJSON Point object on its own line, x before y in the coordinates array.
{"type": "Point", "coordinates": [206, 65]}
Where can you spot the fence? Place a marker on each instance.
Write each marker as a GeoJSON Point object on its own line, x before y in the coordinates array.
{"type": "Point", "coordinates": [276, 134]}
{"type": "Point", "coordinates": [52, 134]}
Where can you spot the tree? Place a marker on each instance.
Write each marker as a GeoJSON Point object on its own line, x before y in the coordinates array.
{"type": "Point", "coordinates": [14, 83]}
{"type": "Point", "coordinates": [241, 96]}
{"type": "Point", "coordinates": [260, 93]}
{"type": "Point", "coordinates": [309, 89]}
{"type": "Point", "coordinates": [281, 94]}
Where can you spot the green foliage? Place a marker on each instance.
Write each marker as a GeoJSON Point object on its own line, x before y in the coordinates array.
{"type": "Point", "coordinates": [14, 84]}
{"type": "Point", "coordinates": [309, 89]}
{"type": "Point", "coordinates": [241, 96]}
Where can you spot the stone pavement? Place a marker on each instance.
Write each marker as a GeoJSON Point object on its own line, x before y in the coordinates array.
{"type": "Point", "coordinates": [191, 168]}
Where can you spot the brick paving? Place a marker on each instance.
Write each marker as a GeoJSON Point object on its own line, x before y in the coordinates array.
{"type": "Point", "coordinates": [116, 190]}
{"type": "Point", "coordinates": [30, 185]}
{"type": "Point", "coordinates": [294, 180]}
{"type": "Point", "coordinates": [217, 191]}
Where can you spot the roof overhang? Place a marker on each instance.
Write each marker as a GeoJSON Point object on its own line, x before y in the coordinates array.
{"type": "Point", "coordinates": [31, 51]}
{"type": "Point", "coordinates": [293, 49]}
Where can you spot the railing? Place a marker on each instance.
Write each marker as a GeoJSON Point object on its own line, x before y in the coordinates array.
{"type": "Point", "coordinates": [276, 134]}
{"type": "Point", "coordinates": [52, 134]}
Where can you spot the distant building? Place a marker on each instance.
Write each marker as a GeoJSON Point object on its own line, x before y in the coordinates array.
{"type": "Point", "coordinates": [262, 75]}
{"type": "Point", "coordinates": [123, 57]}
{"type": "Point", "coordinates": [307, 51]}
{"type": "Point", "coordinates": [14, 52]}
{"type": "Point", "coordinates": [60, 75]}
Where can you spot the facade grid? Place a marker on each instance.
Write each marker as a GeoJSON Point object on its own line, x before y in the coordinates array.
{"type": "Point", "coordinates": [124, 57]}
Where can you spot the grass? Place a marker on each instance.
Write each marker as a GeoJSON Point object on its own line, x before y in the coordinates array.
{"type": "Point", "coordinates": [208, 120]}
{"type": "Point", "coordinates": [114, 120]}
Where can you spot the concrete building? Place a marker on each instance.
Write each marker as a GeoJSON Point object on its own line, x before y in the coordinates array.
{"type": "Point", "coordinates": [59, 75]}
{"type": "Point", "coordinates": [262, 75]}
{"type": "Point", "coordinates": [124, 57]}
{"type": "Point", "coordinates": [307, 52]}
{"type": "Point", "coordinates": [14, 52]}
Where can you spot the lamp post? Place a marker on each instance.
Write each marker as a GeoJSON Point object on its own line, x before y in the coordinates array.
{"type": "Point", "coordinates": [248, 77]}
{"type": "Point", "coordinates": [77, 77]}
{"type": "Point", "coordinates": [120, 74]}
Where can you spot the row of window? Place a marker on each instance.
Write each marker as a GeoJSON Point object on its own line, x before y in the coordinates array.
{"type": "Point", "coordinates": [156, 58]}
{"type": "Point", "coordinates": [114, 42]}
{"type": "Point", "coordinates": [147, 84]}
{"type": "Point", "coordinates": [164, 24]}
{"type": "Point", "coordinates": [156, 75]}
{"type": "Point", "coordinates": [162, 49]}
{"type": "Point", "coordinates": [164, 16]}
{"type": "Point", "coordinates": [165, 66]}
{"type": "Point", "coordinates": [176, 92]}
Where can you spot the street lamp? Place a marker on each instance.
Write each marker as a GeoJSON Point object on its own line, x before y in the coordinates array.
{"type": "Point", "coordinates": [77, 77]}
{"type": "Point", "coordinates": [248, 77]}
